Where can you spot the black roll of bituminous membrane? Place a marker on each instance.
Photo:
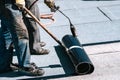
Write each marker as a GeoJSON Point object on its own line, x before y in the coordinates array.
{"type": "Point", "coordinates": [78, 56]}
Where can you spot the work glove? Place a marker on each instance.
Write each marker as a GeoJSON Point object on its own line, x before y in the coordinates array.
{"type": "Point", "coordinates": [20, 3]}
{"type": "Point", "coordinates": [50, 4]}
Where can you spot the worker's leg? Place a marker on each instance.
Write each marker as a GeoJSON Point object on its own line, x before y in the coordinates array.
{"type": "Point", "coordinates": [33, 29]}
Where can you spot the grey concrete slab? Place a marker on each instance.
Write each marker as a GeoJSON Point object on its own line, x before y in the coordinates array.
{"type": "Point", "coordinates": [112, 12]}
{"type": "Point", "coordinates": [68, 4]}
{"type": "Point", "coordinates": [103, 48]}
{"type": "Point", "coordinates": [99, 32]}
{"type": "Point", "coordinates": [87, 33]}
{"type": "Point", "coordinates": [78, 16]}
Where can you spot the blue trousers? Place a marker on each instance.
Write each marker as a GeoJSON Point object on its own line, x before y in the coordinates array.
{"type": "Point", "coordinates": [14, 30]}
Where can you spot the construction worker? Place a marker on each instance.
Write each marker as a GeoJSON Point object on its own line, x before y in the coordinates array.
{"type": "Point", "coordinates": [14, 30]}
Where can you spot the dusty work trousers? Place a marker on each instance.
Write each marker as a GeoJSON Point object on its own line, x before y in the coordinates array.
{"type": "Point", "coordinates": [33, 28]}
{"type": "Point", "coordinates": [15, 31]}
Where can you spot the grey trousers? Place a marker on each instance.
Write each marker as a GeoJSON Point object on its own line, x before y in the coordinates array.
{"type": "Point", "coordinates": [33, 28]}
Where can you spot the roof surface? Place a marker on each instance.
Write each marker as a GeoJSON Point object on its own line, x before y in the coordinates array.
{"type": "Point", "coordinates": [97, 24]}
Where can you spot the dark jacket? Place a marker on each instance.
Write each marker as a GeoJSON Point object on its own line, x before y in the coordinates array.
{"type": "Point", "coordinates": [2, 2]}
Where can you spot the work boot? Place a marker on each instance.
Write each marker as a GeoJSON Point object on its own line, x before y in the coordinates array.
{"type": "Point", "coordinates": [33, 70]}
{"type": "Point", "coordinates": [42, 44]}
{"type": "Point", "coordinates": [41, 51]}
{"type": "Point", "coordinates": [15, 66]}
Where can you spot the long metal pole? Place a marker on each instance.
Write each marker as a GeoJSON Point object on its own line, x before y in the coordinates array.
{"type": "Point", "coordinates": [43, 26]}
